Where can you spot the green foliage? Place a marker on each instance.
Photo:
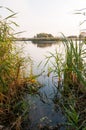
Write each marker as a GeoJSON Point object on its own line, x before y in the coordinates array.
{"type": "Point", "coordinates": [72, 116]}
{"type": "Point", "coordinates": [44, 35]}
{"type": "Point", "coordinates": [72, 66]}
{"type": "Point", "coordinates": [75, 63]}
{"type": "Point", "coordinates": [12, 83]}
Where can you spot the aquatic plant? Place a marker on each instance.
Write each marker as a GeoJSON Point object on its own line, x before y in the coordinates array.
{"type": "Point", "coordinates": [72, 67]}
{"type": "Point", "coordinates": [75, 81]}
{"type": "Point", "coordinates": [13, 82]}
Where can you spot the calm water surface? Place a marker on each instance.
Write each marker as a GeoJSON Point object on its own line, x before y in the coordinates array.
{"type": "Point", "coordinates": [42, 109]}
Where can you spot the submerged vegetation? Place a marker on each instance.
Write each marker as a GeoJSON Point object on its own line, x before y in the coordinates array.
{"type": "Point", "coordinates": [70, 68]}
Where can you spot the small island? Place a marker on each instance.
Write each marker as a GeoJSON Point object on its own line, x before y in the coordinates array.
{"type": "Point", "coordinates": [41, 38]}
{"type": "Point", "coordinates": [49, 38]}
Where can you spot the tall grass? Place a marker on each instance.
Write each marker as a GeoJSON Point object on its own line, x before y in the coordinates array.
{"type": "Point", "coordinates": [73, 90]}
{"type": "Point", "coordinates": [75, 83]}
{"type": "Point", "coordinates": [13, 106]}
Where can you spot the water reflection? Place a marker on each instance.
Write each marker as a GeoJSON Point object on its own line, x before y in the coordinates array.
{"type": "Point", "coordinates": [44, 44]}
{"type": "Point", "coordinates": [42, 114]}
{"type": "Point", "coordinates": [43, 111]}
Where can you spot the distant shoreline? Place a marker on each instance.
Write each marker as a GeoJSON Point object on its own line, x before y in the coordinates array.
{"type": "Point", "coordinates": [34, 40]}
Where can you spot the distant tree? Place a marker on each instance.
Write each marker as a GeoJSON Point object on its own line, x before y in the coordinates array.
{"type": "Point", "coordinates": [50, 35]}
{"type": "Point", "coordinates": [44, 35]}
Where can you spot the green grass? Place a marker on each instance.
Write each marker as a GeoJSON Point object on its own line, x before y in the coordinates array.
{"type": "Point", "coordinates": [13, 82]}
{"type": "Point", "coordinates": [72, 66]}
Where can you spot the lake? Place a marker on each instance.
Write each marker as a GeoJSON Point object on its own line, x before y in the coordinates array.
{"type": "Point", "coordinates": [43, 111]}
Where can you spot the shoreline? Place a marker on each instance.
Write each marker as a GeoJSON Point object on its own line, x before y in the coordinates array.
{"type": "Point", "coordinates": [44, 40]}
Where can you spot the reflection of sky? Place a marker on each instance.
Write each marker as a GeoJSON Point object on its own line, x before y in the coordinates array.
{"type": "Point", "coordinates": [39, 54]}
{"type": "Point", "coordinates": [43, 106]}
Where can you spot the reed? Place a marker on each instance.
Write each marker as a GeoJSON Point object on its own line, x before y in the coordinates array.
{"type": "Point", "coordinates": [13, 82]}
{"type": "Point", "coordinates": [72, 67]}
{"type": "Point", "coordinates": [75, 83]}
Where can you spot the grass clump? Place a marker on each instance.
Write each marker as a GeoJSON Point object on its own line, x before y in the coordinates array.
{"type": "Point", "coordinates": [70, 69]}
{"type": "Point", "coordinates": [13, 107]}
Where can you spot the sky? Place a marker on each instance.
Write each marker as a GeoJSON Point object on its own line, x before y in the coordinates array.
{"type": "Point", "coordinates": [48, 16]}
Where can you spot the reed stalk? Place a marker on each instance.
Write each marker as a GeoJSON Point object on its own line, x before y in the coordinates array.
{"type": "Point", "coordinates": [73, 85]}
{"type": "Point", "coordinates": [13, 106]}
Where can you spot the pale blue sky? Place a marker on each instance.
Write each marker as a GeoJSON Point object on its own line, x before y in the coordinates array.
{"type": "Point", "coordinates": [49, 16]}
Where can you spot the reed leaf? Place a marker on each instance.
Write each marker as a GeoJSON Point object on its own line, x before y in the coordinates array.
{"type": "Point", "coordinates": [10, 16]}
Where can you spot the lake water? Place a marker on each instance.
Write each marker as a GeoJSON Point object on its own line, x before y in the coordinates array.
{"type": "Point", "coordinates": [43, 111]}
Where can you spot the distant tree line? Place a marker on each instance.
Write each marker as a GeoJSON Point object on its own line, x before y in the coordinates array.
{"type": "Point", "coordinates": [44, 35]}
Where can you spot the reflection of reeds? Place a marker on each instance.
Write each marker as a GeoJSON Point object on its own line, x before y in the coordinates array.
{"type": "Point", "coordinates": [73, 70]}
